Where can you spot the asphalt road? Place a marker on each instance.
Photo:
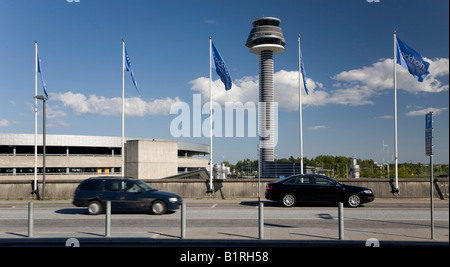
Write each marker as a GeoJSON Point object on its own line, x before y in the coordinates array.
{"type": "Point", "coordinates": [387, 220]}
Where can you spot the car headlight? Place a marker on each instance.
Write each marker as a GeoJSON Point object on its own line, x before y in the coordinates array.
{"type": "Point", "coordinates": [173, 199]}
{"type": "Point", "coordinates": [369, 192]}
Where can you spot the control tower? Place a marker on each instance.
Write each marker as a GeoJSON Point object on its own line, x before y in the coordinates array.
{"type": "Point", "coordinates": [266, 39]}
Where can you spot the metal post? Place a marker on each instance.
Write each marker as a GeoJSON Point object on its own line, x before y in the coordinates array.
{"type": "Point", "coordinates": [431, 198]}
{"type": "Point", "coordinates": [396, 189]}
{"type": "Point", "coordinates": [108, 219]}
{"type": "Point", "coordinates": [341, 220]}
{"type": "Point", "coordinates": [35, 117]}
{"type": "Point", "coordinates": [122, 165]}
{"type": "Point", "coordinates": [183, 220]}
{"type": "Point", "coordinates": [259, 174]}
{"type": "Point", "coordinates": [261, 220]}
{"type": "Point", "coordinates": [41, 97]}
{"type": "Point", "coordinates": [30, 218]}
{"type": "Point", "coordinates": [44, 132]}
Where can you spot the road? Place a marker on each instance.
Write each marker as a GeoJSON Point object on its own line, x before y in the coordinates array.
{"type": "Point", "coordinates": [235, 220]}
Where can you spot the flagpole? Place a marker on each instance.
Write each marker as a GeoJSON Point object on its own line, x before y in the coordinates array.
{"type": "Point", "coordinates": [300, 105]}
{"type": "Point", "coordinates": [396, 189]}
{"type": "Point", "coordinates": [122, 170]}
{"type": "Point", "coordinates": [211, 187]}
{"type": "Point", "coordinates": [35, 116]}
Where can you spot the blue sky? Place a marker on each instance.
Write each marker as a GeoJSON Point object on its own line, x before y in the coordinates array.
{"type": "Point", "coordinates": [347, 49]}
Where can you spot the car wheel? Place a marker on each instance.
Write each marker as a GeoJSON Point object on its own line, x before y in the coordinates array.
{"type": "Point", "coordinates": [289, 200]}
{"type": "Point", "coordinates": [354, 200]}
{"type": "Point", "coordinates": [95, 207]}
{"type": "Point", "coordinates": [159, 207]}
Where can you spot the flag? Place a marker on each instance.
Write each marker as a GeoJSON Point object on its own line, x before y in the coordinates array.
{"type": "Point", "coordinates": [130, 70]}
{"type": "Point", "coordinates": [44, 85]}
{"type": "Point", "coordinates": [302, 67]}
{"type": "Point", "coordinates": [219, 65]}
{"type": "Point", "coordinates": [412, 61]}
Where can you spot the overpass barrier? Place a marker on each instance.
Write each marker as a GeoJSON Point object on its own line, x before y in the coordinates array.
{"type": "Point", "coordinates": [228, 188]}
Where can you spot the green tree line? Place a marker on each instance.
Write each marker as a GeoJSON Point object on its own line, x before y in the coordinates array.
{"type": "Point", "coordinates": [338, 166]}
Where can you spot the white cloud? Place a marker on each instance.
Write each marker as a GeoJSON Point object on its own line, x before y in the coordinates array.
{"type": "Point", "coordinates": [4, 123]}
{"type": "Point", "coordinates": [385, 117]}
{"type": "Point", "coordinates": [247, 89]}
{"type": "Point", "coordinates": [354, 87]}
{"type": "Point", "coordinates": [422, 112]}
{"type": "Point", "coordinates": [101, 105]}
{"type": "Point", "coordinates": [368, 81]}
{"type": "Point", "coordinates": [317, 127]}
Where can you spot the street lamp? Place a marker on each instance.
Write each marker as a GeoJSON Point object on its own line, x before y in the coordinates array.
{"type": "Point", "coordinates": [41, 97]}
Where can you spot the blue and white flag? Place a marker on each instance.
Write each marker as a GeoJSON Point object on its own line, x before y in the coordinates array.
{"type": "Point", "coordinates": [303, 72]}
{"type": "Point", "coordinates": [39, 69]}
{"type": "Point", "coordinates": [412, 61]}
{"type": "Point", "coordinates": [219, 65]}
{"type": "Point", "coordinates": [130, 70]}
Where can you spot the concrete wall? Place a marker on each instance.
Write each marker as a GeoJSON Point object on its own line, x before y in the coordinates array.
{"type": "Point", "coordinates": [151, 159]}
{"type": "Point", "coordinates": [230, 188]}
{"type": "Point", "coordinates": [193, 163]}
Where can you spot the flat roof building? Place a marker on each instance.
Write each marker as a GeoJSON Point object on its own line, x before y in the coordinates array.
{"type": "Point", "coordinates": [78, 156]}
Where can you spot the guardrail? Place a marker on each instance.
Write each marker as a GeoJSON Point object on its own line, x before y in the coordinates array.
{"type": "Point", "coordinates": [183, 220]}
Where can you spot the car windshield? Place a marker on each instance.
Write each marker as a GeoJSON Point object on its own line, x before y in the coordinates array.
{"type": "Point", "coordinates": [136, 186]}
{"type": "Point", "coordinates": [145, 187]}
{"type": "Point", "coordinates": [324, 180]}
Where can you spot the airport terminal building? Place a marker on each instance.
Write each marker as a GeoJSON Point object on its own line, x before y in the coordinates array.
{"type": "Point", "coordinates": [79, 157]}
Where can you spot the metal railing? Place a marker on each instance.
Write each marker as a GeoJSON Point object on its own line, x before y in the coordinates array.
{"type": "Point", "coordinates": [183, 220]}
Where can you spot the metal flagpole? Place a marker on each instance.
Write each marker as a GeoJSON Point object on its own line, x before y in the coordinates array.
{"type": "Point", "coordinates": [35, 117]}
{"type": "Point", "coordinates": [396, 190]}
{"type": "Point", "coordinates": [429, 152]}
{"type": "Point", "coordinates": [300, 77]}
{"type": "Point", "coordinates": [122, 170]}
{"type": "Point", "coordinates": [431, 198]}
{"type": "Point", "coordinates": [211, 187]}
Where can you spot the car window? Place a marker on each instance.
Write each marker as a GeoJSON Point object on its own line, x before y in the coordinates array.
{"type": "Point", "coordinates": [324, 181]}
{"type": "Point", "coordinates": [89, 185]}
{"type": "Point", "coordinates": [132, 187]}
{"type": "Point", "coordinates": [302, 180]}
{"type": "Point", "coordinates": [145, 187]}
{"type": "Point", "coordinates": [111, 186]}
{"type": "Point", "coordinates": [290, 181]}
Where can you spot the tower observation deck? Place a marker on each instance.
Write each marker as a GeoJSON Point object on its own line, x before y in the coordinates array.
{"type": "Point", "coordinates": [266, 39]}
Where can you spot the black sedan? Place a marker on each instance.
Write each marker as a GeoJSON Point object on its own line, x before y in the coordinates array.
{"type": "Point", "coordinates": [124, 194]}
{"type": "Point", "coordinates": [316, 188]}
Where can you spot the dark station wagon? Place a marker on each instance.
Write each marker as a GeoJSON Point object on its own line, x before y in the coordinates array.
{"type": "Point", "coordinates": [316, 188]}
{"type": "Point", "coordinates": [124, 194]}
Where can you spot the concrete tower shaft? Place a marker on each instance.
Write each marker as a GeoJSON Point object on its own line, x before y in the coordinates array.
{"type": "Point", "coordinates": [266, 39]}
{"type": "Point", "coordinates": [266, 96]}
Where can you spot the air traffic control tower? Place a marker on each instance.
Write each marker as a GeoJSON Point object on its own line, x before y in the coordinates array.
{"type": "Point", "coordinates": [266, 39]}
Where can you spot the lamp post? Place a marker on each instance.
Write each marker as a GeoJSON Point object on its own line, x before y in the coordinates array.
{"type": "Point", "coordinates": [41, 97]}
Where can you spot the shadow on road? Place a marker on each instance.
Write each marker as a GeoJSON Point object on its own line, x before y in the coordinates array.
{"type": "Point", "coordinates": [83, 211]}
{"type": "Point", "coordinates": [72, 211]}
{"type": "Point", "coordinates": [278, 204]}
